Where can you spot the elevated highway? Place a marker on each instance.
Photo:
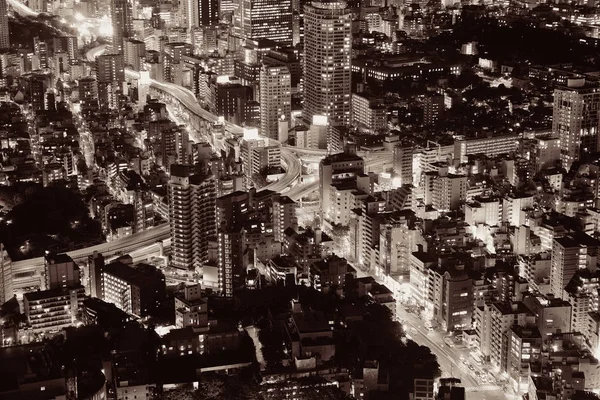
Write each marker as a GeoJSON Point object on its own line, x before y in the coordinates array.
{"type": "Point", "coordinates": [28, 273]}
{"type": "Point", "coordinates": [372, 162]}
{"type": "Point", "coordinates": [22, 9]}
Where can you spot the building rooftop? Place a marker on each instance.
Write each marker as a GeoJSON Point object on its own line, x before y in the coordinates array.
{"type": "Point", "coordinates": [340, 157]}
{"type": "Point", "coordinates": [140, 275]}
{"type": "Point", "coordinates": [58, 258]}
{"type": "Point", "coordinates": [47, 294]}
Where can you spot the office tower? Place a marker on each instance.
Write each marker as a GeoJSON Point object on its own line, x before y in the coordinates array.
{"type": "Point", "coordinates": [230, 100]}
{"type": "Point", "coordinates": [266, 19]}
{"type": "Point", "coordinates": [327, 66]}
{"type": "Point", "coordinates": [576, 120]}
{"type": "Point", "coordinates": [191, 216]}
{"type": "Point", "coordinates": [61, 63]}
{"type": "Point", "coordinates": [135, 50]}
{"type": "Point", "coordinates": [61, 272]}
{"type": "Point", "coordinates": [4, 36]}
{"type": "Point", "coordinates": [121, 15]}
{"type": "Point", "coordinates": [275, 98]}
{"type": "Point", "coordinates": [403, 163]}
{"type": "Point", "coordinates": [202, 13]}
{"type": "Point", "coordinates": [334, 169]}
{"type": "Point", "coordinates": [110, 75]}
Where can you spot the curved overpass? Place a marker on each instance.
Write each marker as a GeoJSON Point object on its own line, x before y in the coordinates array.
{"type": "Point", "coordinates": [201, 119]}
{"type": "Point", "coordinates": [22, 9]}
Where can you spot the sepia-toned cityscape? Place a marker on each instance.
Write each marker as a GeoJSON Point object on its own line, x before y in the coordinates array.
{"type": "Point", "coordinates": [299, 200]}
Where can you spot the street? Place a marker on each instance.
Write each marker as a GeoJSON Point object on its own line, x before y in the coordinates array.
{"type": "Point", "coordinates": [454, 362]}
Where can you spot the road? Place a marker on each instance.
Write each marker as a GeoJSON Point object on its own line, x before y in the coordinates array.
{"type": "Point", "coordinates": [22, 9]}
{"type": "Point", "coordinates": [95, 52]}
{"type": "Point", "coordinates": [453, 361]}
{"type": "Point", "coordinates": [30, 272]}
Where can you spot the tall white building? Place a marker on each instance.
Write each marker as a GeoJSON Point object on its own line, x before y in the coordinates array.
{"type": "Point", "coordinates": [191, 216]}
{"type": "Point", "coordinates": [576, 120]}
{"type": "Point", "coordinates": [275, 98]}
{"type": "Point", "coordinates": [327, 61]}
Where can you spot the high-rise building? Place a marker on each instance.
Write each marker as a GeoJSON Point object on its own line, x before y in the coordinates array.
{"type": "Point", "coordinates": [275, 98]}
{"type": "Point", "coordinates": [135, 51]}
{"type": "Point", "coordinates": [36, 85]}
{"type": "Point", "coordinates": [109, 68]}
{"type": "Point", "coordinates": [231, 213]}
{"type": "Point", "coordinates": [433, 109]}
{"type": "Point", "coordinates": [172, 62]}
{"type": "Point", "coordinates": [334, 169]}
{"type": "Point", "coordinates": [568, 256]}
{"type": "Point", "coordinates": [368, 112]}
{"type": "Point", "coordinates": [121, 15]}
{"type": "Point", "coordinates": [327, 64]}
{"type": "Point", "coordinates": [230, 100]}
{"type": "Point", "coordinates": [576, 120]}
{"type": "Point", "coordinates": [174, 147]}
{"type": "Point", "coordinates": [6, 275]}
{"type": "Point", "coordinates": [136, 289]}
{"type": "Point", "coordinates": [110, 75]}
{"type": "Point", "coordinates": [65, 44]}
{"type": "Point", "coordinates": [202, 13]}
{"type": "Point", "coordinates": [88, 95]}
{"type": "Point", "coordinates": [266, 19]}
{"type": "Point", "coordinates": [4, 36]}
{"type": "Point", "coordinates": [191, 215]}
{"type": "Point", "coordinates": [40, 49]}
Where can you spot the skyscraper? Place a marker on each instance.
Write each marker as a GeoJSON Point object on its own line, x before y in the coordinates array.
{"type": "Point", "coordinates": [275, 98]}
{"type": "Point", "coordinates": [110, 75]}
{"type": "Point", "coordinates": [4, 37]}
{"type": "Point", "coordinates": [576, 120]}
{"type": "Point", "coordinates": [121, 14]}
{"type": "Point", "coordinates": [327, 67]}
{"type": "Point", "coordinates": [266, 19]}
{"type": "Point", "coordinates": [191, 215]}
{"type": "Point", "coordinates": [202, 13]}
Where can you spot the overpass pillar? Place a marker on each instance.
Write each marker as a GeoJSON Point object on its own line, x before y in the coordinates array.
{"type": "Point", "coordinates": [161, 248]}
